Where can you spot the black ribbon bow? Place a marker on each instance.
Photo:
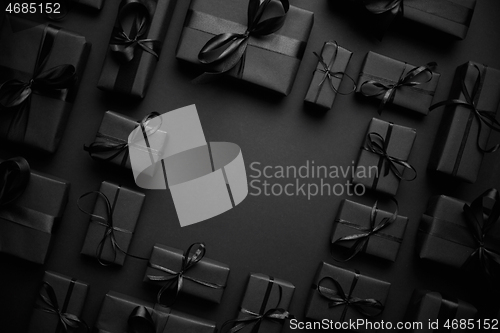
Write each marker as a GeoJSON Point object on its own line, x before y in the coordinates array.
{"type": "Point", "coordinates": [52, 306]}
{"type": "Point", "coordinates": [368, 307]}
{"type": "Point", "coordinates": [378, 145]}
{"type": "Point", "coordinates": [141, 321]}
{"type": "Point", "coordinates": [222, 52]}
{"type": "Point", "coordinates": [487, 118]}
{"type": "Point", "coordinates": [361, 240]}
{"type": "Point", "coordinates": [114, 149]}
{"type": "Point", "coordinates": [480, 222]}
{"type": "Point", "coordinates": [14, 178]}
{"type": "Point", "coordinates": [174, 281]}
{"type": "Point", "coordinates": [387, 11]}
{"type": "Point", "coordinates": [411, 79]}
{"type": "Point", "coordinates": [125, 45]}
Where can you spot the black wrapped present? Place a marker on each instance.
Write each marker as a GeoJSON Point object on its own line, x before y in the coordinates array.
{"type": "Point", "coordinates": [268, 55]}
{"type": "Point", "coordinates": [40, 67]}
{"type": "Point", "coordinates": [135, 46]}
{"type": "Point", "coordinates": [31, 205]}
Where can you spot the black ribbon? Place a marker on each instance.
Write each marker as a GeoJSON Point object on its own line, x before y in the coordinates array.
{"type": "Point", "coordinates": [483, 117]}
{"type": "Point", "coordinates": [124, 45]}
{"type": "Point", "coordinates": [16, 94]}
{"type": "Point", "coordinates": [223, 52]}
{"type": "Point", "coordinates": [361, 240]}
{"type": "Point", "coordinates": [66, 320]}
{"type": "Point", "coordinates": [480, 222]}
{"type": "Point", "coordinates": [109, 229]}
{"type": "Point", "coordinates": [174, 280]}
{"type": "Point", "coordinates": [387, 11]}
{"type": "Point", "coordinates": [14, 178]}
{"type": "Point", "coordinates": [114, 149]}
{"type": "Point", "coordinates": [141, 321]}
{"type": "Point", "coordinates": [368, 307]}
{"type": "Point", "coordinates": [410, 79]}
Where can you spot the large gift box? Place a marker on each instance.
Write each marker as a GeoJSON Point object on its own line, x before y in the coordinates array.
{"type": "Point", "coordinates": [429, 306]}
{"type": "Point", "coordinates": [270, 61]}
{"type": "Point", "coordinates": [463, 135]}
{"type": "Point", "coordinates": [61, 298]}
{"type": "Point", "coordinates": [384, 157]}
{"type": "Point", "coordinates": [135, 46]}
{"type": "Point", "coordinates": [460, 235]}
{"type": "Point", "coordinates": [330, 70]}
{"type": "Point", "coordinates": [121, 313]}
{"type": "Point", "coordinates": [111, 228]}
{"type": "Point", "coordinates": [40, 67]}
{"type": "Point", "coordinates": [368, 229]}
{"type": "Point", "coordinates": [264, 307]}
{"type": "Point", "coordinates": [201, 277]}
{"type": "Point", "coordinates": [333, 290]}
{"type": "Point", "coordinates": [29, 210]}
{"type": "Point", "coordinates": [397, 82]}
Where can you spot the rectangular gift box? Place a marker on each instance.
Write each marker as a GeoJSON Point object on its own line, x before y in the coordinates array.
{"type": "Point", "coordinates": [370, 167]}
{"type": "Point", "coordinates": [456, 151]}
{"type": "Point", "coordinates": [116, 309]}
{"type": "Point", "coordinates": [320, 90]}
{"type": "Point", "coordinates": [26, 226]}
{"type": "Point", "coordinates": [96, 4]}
{"type": "Point", "coordinates": [126, 206]}
{"type": "Point", "coordinates": [133, 77]}
{"type": "Point", "coordinates": [271, 61]}
{"type": "Point", "coordinates": [428, 306]}
{"type": "Point", "coordinates": [263, 294]}
{"type": "Point", "coordinates": [318, 308]}
{"type": "Point", "coordinates": [388, 71]}
{"type": "Point", "coordinates": [354, 219]}
{"type": "Point", "coordinates": [206, 270]}
{"type": "Point", "coordinates": [443, 234]}
{"type": "Point", "coordinates": [40, 123]}
{"type": "Point", "coordinates": [70, 294]}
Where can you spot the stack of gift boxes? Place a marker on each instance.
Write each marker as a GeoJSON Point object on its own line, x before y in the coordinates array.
{"type": "Point", "coordinates": [40, 82]}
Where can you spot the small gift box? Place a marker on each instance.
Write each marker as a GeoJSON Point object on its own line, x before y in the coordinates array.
{"type": "Point", "coordinates": [463, 135]}
{"type": "Point", "coordinates": [200, 276]}
{"type": "Point", "coordinates": [264, 305]}
{"type": "Point", "coordinates": [325, 83]}
{"type": "Point", "coordinates": [265, 56]}
{"type": "Point", "coordinates": [368, 229]}
{"type": "Point", "coordinates": [112, 223]}
{"type": "Point", "coordinates": [454, 233]}
{"type": "Point", "coordinates": [429, 306]}
{"type": "Point", "coordinates": [135, 46]}
{"type": "Point", "coordinates": [335, 288]}
{"type": "Point", "coordinates": [121, 313]}
{"type": "Point", "coordinates": [31, 205]}
{"type": "Point", "coordinates": [383, 158]}
{"type": "Point", "coordinates": [59, 305]}
{"type": "Point", "coordinates": [399, 83]}
{"type": "Point", "coordinates": [40, 67]}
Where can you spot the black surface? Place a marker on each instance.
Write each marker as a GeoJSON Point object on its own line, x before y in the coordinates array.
{"type": "Point", "coordinates": [284, 236]}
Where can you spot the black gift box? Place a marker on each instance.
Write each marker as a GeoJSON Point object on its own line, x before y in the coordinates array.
{"type": "Point", "coordinates": [371, 167]}
{"type": "Point", "coordinates": [366, 287]}
{"type": "Point", "coordinates": [126, 205]}
{"type": "Point", "coordinates": [70, 295]}
{"type": "Point", "coordinates": [205, 270]}
{"type": "Point", "coordinates": [271, 61]}
{"type": "Point", "coordinates": [354, 219]}
{"type": "Point", "coordinates": [388, 71]}
{"type": "Point", "coordinates": [39, 123]}
{"type": "Point", "coordinates": [27, 224]}
{"type": "Point", "coordinates": [132, 77]}
{"type": "Point", "coordinates": [428, 306]}
{"type": "Point", "coordinates": [456, 150]}
{"type": "Point", "coordinates": [116, 309]}
{"type": "Point", "coordinates": [323, 89]}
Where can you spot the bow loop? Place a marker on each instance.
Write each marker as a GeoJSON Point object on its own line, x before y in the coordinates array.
{"type": "Point", "coordinates": [141, 321]}
{"type": "Point", "coordinates": [383, 6]}
{"type": "Point", "coordinates": [14, 178]}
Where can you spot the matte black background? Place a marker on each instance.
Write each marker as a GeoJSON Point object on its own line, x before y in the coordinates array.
{"type": "Point", "coordinates": [286, 237]}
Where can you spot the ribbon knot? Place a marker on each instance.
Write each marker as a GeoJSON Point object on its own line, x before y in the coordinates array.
{"type": "Point", "coordinates": [388, 90]}
{"type": "Point", "coordinates": [14, 178]}
{"type": "Point", "coordinates": [223, 52]}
